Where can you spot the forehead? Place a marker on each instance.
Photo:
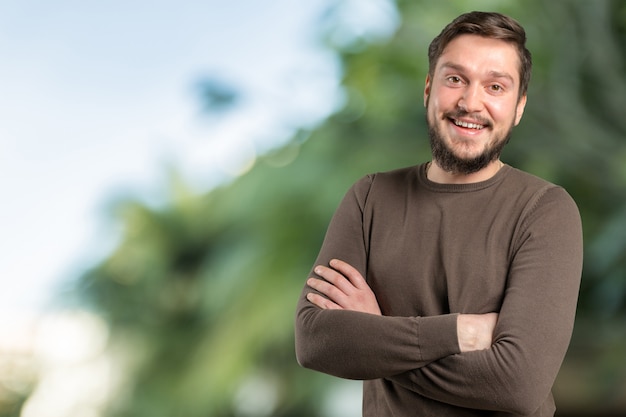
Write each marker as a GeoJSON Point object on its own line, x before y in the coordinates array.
{"type": "Point", "coordinates": [481, 55]}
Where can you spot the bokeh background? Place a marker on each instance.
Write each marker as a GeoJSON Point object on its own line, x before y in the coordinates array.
{"type": "Point", "coordinates": [169, 169]}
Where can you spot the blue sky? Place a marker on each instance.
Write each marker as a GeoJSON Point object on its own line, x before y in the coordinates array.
{"type": "Point", "coordinates": [97, 98]}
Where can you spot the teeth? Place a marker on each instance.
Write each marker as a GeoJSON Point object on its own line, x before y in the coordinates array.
{"type": "Point", "coordinates": [468, 125]}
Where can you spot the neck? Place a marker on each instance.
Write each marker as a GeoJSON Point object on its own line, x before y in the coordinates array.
{"type": "Point", "coordinates": [438, 175]}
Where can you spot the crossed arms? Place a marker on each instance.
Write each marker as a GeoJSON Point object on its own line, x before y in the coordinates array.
{"type": "Point", "coordinates": [344, 288]}
{"type": "Point", "coordinates": [504, 361]}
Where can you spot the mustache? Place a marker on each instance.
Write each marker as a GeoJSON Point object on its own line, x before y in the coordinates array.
{"type": "Point", "coordinates": [463, 114]}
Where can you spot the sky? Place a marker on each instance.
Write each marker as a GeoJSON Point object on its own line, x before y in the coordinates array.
{"type": "Point", "coordinates": [98, 99]}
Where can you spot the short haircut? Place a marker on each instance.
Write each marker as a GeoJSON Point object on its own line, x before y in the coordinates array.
{"type": "Point", "coordinates": [490, 25]}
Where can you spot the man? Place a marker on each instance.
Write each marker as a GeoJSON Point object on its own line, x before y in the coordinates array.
{"type": "Point", "coordinates": [450, 287]}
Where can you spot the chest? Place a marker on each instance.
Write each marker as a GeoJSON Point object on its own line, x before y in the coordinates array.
{"type": "Point", "coordinates": [439, 257]}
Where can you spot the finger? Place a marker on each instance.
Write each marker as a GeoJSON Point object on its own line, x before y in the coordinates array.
{"type": "Point", "coordinates": [322, 302]}
{"type": "Point", "coordinates": [349, 272]}
{"type": "Point", "coordinates": [335, 278]}
{"type": "Point", "coordinates": [328, 289]}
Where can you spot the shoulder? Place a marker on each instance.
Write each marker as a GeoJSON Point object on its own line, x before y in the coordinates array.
{"type": "Point", "coordinates": [542, 198]}
{"type": "Point", "coordinates": [533, 183]}
{"type": "Point", "coordinates": [384, 179]}
{"type": "Point", "coordinates": [524, 179]}
{"type": "Point", "coordinates": [384, 186]}
{"type": "Point", "coordinates": [397, 178]}
{"type": "Point", "coordinates": [535, 188]}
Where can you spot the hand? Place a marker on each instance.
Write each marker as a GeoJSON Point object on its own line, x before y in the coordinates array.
{"type": "Point", "coordinates": [344, 289]}
{"type": "Point", "coordinates": [475, 331]}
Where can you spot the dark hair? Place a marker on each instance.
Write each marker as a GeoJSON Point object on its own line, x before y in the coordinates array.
{"type": "Point", "coordinates": [490, 25]}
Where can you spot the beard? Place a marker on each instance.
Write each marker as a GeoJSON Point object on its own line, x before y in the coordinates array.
{"type": "Point", "coordinates": [450, 162]}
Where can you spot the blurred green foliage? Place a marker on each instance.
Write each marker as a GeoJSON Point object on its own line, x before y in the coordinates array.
{"type": "Point", "coordinates": [200, 294]}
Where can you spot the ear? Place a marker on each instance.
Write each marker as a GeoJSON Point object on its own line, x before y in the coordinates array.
{"type": "Point", "coordinates": [519, 111]}
{"type": "Point", "coordinates": [426, 90]}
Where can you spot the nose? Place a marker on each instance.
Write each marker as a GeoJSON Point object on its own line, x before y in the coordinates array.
{"type": "Point", "coordinates": [471, 99]}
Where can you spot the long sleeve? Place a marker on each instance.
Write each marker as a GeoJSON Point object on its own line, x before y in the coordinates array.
{"type": "Point", "coordinates": [535, 323]}
{"type": "Point", "coordinates": [357, 345]}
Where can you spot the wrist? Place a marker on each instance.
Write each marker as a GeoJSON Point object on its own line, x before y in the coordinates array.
{"type": "Point", "coordinates": [475, 331]}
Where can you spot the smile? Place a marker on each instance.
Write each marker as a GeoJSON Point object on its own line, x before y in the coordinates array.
{"type": "Point", "coordinates": [468, 125]}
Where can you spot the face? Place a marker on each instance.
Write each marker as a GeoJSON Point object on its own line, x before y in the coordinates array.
{"type": "Point", "coordinates": [473, 102]}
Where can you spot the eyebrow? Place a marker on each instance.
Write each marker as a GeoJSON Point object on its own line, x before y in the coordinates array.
{"type": "Point", "coordinates": [493, 74]}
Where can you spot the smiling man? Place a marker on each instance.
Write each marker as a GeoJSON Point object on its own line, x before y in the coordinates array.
{"type": "Point", "coordinates": [472, 106]}
{"type": "Point", "coordinates": [450, 287]}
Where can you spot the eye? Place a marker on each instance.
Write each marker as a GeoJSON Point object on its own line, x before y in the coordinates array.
{"type": "Point", "coordinates": [454, 81]}
{"type": "Point", "coordinates": [496, 88]}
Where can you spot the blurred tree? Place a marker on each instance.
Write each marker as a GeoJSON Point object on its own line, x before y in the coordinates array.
{"type": "Point", "coordinates": [200, 294]}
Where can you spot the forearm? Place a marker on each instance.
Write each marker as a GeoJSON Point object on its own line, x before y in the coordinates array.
{"type": "Point", "coordinates": [508, 377]}
{"type": "Point", "coordinates": [516, 374]}
{"type": "Point", "coordinates": [356, 345]}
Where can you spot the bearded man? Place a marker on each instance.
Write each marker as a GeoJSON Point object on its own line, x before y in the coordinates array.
{"type": "Point", "coordinates": [450, 287]}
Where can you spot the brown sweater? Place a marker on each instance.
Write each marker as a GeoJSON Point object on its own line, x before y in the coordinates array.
{"type": "Point", "coordinates": [511, 244]}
